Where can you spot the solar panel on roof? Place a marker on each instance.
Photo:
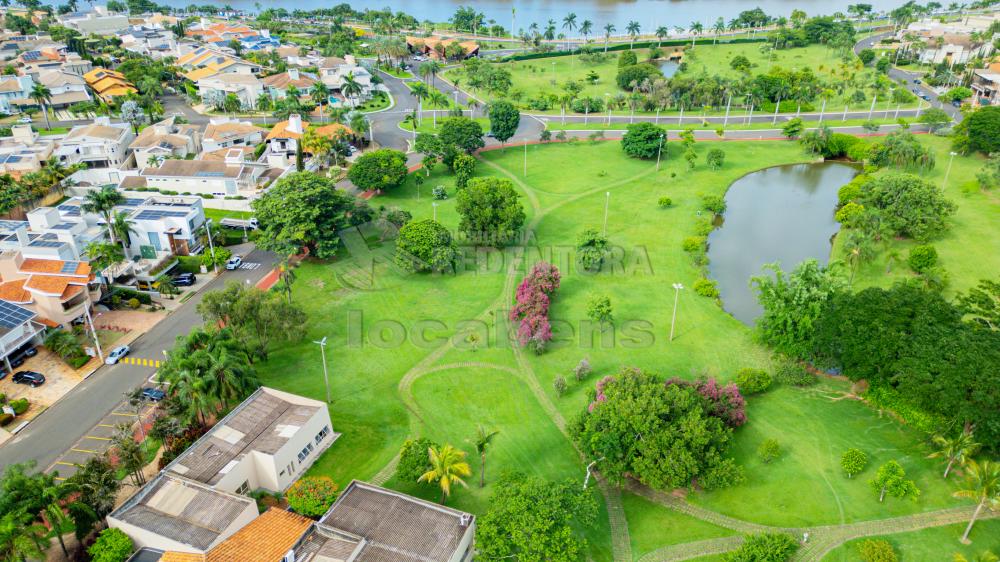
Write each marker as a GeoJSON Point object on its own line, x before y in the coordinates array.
{"type": "Point", "coordinates": [44, 244]}
{"type": "Point", "coordinates": [63, 226]}
{"type": "Point", "coordinates": [12, 316]}
{"type": "Point", "coordinates": [211, 174]}
{"type": "Point", "coordinates": [155, 215]}
{"type": "Point", "coordinates": [69, 267]}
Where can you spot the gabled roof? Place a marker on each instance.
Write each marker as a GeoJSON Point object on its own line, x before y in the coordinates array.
{"type": "Point", "coordinates": [280, 131]}
{"type": "Point", "coordinates": [267, 538]}
{"type": "Point", "coordinates": [97, 131]}
{"type": "Point", "coordinates": [221, 131]}
{"type": "Point", "coordinates": [284, 80]}
{"type": "Point", "coordinates": [13, 291]}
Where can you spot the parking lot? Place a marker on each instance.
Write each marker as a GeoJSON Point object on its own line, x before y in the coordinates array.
{"type": "Point", "coordinates": [60, 378]}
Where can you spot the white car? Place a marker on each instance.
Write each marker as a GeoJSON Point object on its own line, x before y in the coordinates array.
{"type": "Point", "coordinates": [25, 119]}
{"type": "Point", "coordinates": [234, 263]}
{"type": "Point", "coordinates": [116, 354]}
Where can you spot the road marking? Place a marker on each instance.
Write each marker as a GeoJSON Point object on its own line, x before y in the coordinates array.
{"type": "Point", "coordinates": [83, 451]}
{"type": "Point", "coordinates": [127, 414]}
{"type": "Point", "coordinates": [250, 266]}
{"type": "Point", "coordinates": [60, 478]}
{"type": "Point", "coordinates": [105, 425]}
{"type": "Point", "coordinates": [69, 464]}
{"type": "Point", "coordinates": [100, 438]}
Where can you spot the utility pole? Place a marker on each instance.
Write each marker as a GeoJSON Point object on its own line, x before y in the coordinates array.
{"type": "Point", "coordinates": [326, 376]}
{"type": "Point", "coordinates": [93, 332]}
{"type": "Point", "coordinates": [658, 152]}
{"type": "Point", "coordinates": [947, 172]}
{"type": "Point", "coordinates": [725, 121]}
{"type": "Point", "coordinates": [673, 318]}
{"type": "Point", "coordinates": [607, 200]}
{"type": "Point", "coordinates": [211, 245]}
{"type": "Point", "coordinates": [872, 108]}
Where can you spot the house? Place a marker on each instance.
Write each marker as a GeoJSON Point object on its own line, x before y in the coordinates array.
{"type": "Point", "coordinates": [14, 89]}
{"type": "Point", "coordinates": [283, 142]}
{"type": "Point", "coordinates": [223, 132]}
{"type": "Point", "coordinates": [52, 53]}
{"type": "Point", "coordinates": [277, 84]}
{"type": "Point", "coordinates": [164, 140]}
{"type": "Point", "coordinates": [165, 224]}
{"type": "Point", "coordinates": [24, 151]}
{"type": "Point", "coordinates": [368, 523]}
{"type": "Point", "coordinates": [986, 86]}
{"type": "Point", "coordinates": [102, 144]}
{"type": "Point", "coordinates": [66, 88]}
{"type": "Point", "coordinates": [18, 326]}
{"type": "Point", "coordinates": [226, 178]}
{"type": "Point", "coordinates": [436, 47]}
{"type": "Point", "coordinates": [335, 74]}
{"type": "Point", "coordinates": [200, 499]}
{"type": "Point", "coordinates": [246, 87]}
{"type": "Point", "coordinates": [71, 63]}
{"type": "Point", "coordinates": [98, 22]}
{"type": "Point", "coordinates": [203, 62]}
{"type": "Point", "coordinates": [951, 42]}
{"type": "Point", "coordinates": [58, 291]}
{"type": "Point", "coordinates": [109, 84]}
{"type": "Point", "coordinates": [154, 42]}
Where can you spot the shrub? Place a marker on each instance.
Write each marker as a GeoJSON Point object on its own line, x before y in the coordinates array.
{"type": "Point", "coordinates": [134, 303]}
{"type": "Point", "coordinates": [765, 547]}
{"type": "Point", "coordinates": [922, 258]}
{"type": "Point", "coordinates": [78, 361]}
{"type": "Point", "coordinates": [693, 244]}
{"type": "Point", "coordinates": [642, 140]}
{"type": "Point", "coordinates": [112, 545]}
{"type": "Point", "coordinates": [312, 496]}
{"type": "Point", "coordinates": [20, 406]}
{"type": "Point", "coordinates": [849, 214]}
{"type": "Point", "coordinates": [5, 419]}
{"type": "Point", "coordinates": [768, 451]}
{"type": "Point", "coordinates": [706, 288]}
{"type": "Point", "coordinates": [853, 462]}
{"type": "Point", "coordinates": [665, 202]}
{"type": "Point", "coordinates": [752, 381]}
{"type": "Point", "coordinates": [425, 245]}
{"type": "Point", "coordinates": [791, 373]}
{"type": "Point", "coordinates": [715, 158]}
{"type": "Point", "coordinates": [545, 136]}
{"type": "Point", "coordinates": [587, 105]}
{"type": "Point", "coordinates": [414, 459]}
{"type": "Point", "coordinates": [144, 298]}
{"type": "Point", "coordinates": [877, 551]}
{"type": "Point", "coordinates": [630, 75]}
{"type": "Point", "coordinates": [599, 309]}
{"type": "Point", "coordinates": [439, 193]}
{"type": "Point", "coordinates": [713, 204]}
{"type": "Point", "coordinates": [532, 309]}
{"type": "Point", "coordinates": [582, 369]}
{"type": "Point", "coordinates": [560, 385]}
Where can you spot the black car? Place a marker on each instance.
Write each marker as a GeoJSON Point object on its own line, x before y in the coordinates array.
{"type": "Point", "coordinates": [153, 394]}
{"type": "Point", "coordinates": [29, 377]}
{"type": "Point", "coordinates": [185, 280]}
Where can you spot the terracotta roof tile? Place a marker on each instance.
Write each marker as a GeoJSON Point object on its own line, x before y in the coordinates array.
{"type": "Point", "coordinates": [36, 265]}
{"type": "Point", "coordinates": [48, 284]}
{"type": "Point", "coordinates": [181, 557]}
{"type": "Point", "coordinates": [265, 539]}
{"type": "Point", "coordinates": [280, 131]}
{"type": "Point", "coordinates": [13, 291]}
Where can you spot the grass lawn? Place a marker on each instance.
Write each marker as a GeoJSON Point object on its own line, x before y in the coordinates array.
{"type": "Point", "coordinates": [963, 251]}
{"type": "Point", "coordinates": [427, 123]}
{"type": "Point", "coordinates": [938, 543]}
{"type": "Point", "coordinates": [400, 365]}
{"type": "Point", "coordinates": [736, 123]}
{"type": "Point", "coordinates": [380, 100]}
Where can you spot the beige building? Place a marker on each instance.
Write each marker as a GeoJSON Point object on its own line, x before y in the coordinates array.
{"type": "Point", "coordinates": [164, 140]}
{"type": "Point", "coordinates": [57, 291]}
{"type": "Point", "coordinates": [101, 144]}
{"type": "Point", "coordinates": [223, 132]}
{"type": "Point", "coordinates": [24, 151]}
{"type": "Point", "coordinates": [231, 176]}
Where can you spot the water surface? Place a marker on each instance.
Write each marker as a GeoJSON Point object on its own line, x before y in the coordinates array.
{"type": "Point", "coordinates": [782, 214]}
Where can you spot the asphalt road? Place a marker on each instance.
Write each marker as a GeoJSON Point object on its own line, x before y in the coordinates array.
{"type": "Point", "coordinates": [53, 432]}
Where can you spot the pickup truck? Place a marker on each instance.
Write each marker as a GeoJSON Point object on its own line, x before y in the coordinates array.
{"type": "Point", "coordinates": [249, 224]}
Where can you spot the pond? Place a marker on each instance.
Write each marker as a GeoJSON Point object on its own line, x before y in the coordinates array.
{"type": "Point", "coordinates": [667, 67]}
{"type": "Point", "coordinates": [782, 214]}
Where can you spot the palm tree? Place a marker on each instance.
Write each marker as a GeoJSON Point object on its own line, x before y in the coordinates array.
{"type": "Point", "coordinates": [350, 88]}
{"type": "Point", "coordinates": [419, 91]}
{"type": "Point", "coordinates": [123, 228]}
{"type": "Point", "coordinates": [482, 442]}
{"type": "Point", "coordinates": [98, 485]}
{"type": "Point", "coordinates": [608, 30]}
{"type": "Point", "coordinates": [983, 486]}
{"type": "Point", "coordinates": [696, 28]}
{"type": "Point", "coordinates": [103, 256]}
{"type": "Point", "coordinates": [661, 32]}
{"type": "Point", "coordinates": [719, 28]}
{"type": "Point", "coordinates": [437, 99]}
{"type": "Point", "coordinates": [569, 22]}
{"type": "Point", "coordinates": [430, 69]}
{"type": "Point", "coordinates": [586, 28]}
{"type": "Point", "coordinates": [286, 276]}
{"type": "Point", "coordinates": [59, 521]}
{"type": "Point", "coordinates": [20, 539]}
{"type": "Point", "coordinates": [320, 93]}
{"type": "Point", "coordinates": [633, 31]}
{"type": "Point", "coordinates": [955, 449]}
{"type": "Point", "coordinates": [550, 30]}
{"type": "Point", "coordinates": [103, 202]}
{"type": "Point", "coordinates": [448, 467]}
{"type": "Point", "coordinates": [41, 95]}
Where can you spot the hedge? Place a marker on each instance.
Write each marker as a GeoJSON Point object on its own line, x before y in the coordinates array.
{"type": "Point", "coordinates": [78, 361]}
{"type": "Point", "coordinates": [636, 45]}
{"type": "Point", "coordinates": [128, 294]}
{"type": "Point", "coordinates": [20, 405]}
{"type": "Point", "coordinates": [189, 264]}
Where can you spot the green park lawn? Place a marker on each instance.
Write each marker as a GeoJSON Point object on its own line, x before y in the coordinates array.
{"type": "Point", "coordinates": [400, 365]}
{"type": "Point", "coordinates": [937, 543]}
{"type": "Point", "coordinates": [962, 250]}
{"type": "Point", "coordinates": [737, 122]}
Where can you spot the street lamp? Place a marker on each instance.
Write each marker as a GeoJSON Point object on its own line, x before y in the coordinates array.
{"type": "Point", "coordinates": [607, 200]}
{"type": "Point", "coordinates": [658, 152]}
{"type": "Point", "coordinates": [435, 205]}
{"type": "Point", "coordinates": [211, 245]}
{"type": "Point", "coordinates": [326, 377]}
{"type": "Point", "coordinates": [947, 172]}
{"type": "Point", "coordinates": [673, 318]}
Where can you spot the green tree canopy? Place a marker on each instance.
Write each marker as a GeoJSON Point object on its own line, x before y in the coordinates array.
{"type": "Point", "coordinates": [302, 210]}
{"type": "Point", "coordinates": [504, 120]}
{"type": "Point", "coordinates": [378, 170]}
{"type": "Point", "coordinates": [908, 205]}
{"type": "Point", "coordinates": [643, 140]}
{"type": "Point", "coordinates": [490, 211]}
{"type": "Point", "coordinates": [425, 245]}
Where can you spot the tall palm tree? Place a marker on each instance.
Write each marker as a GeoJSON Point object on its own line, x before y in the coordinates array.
{"type": "Point", "coordinates": [633, 31]}
{"type": "Point", "coordinates": [123, 228]}
{"type": "Point", "coordinates": [550, 30]}
{"type": "Point", "coordinates": [983, 486]}
{"type": "Point", "coordinates": [569, 22]}
{"type": "Point", "coordinates": [41, 95]}
{"type": "Point", "coordinates": [608, 30]}
{"type": "Point", "coordinates": [586, 28]}
{"type": "Point", "coordinates": [719, 28]}
{"type": "Point", "coordinates": [482, 442]}
{"type": "Point", "coordinates": [448, 467]}
{"type": "Point", "coordinates": [351, 88]}
{"type": "Point", "coordinates": [59, 521]}
{"type": "Point", "coordinates": [20, 539]}
{"type": "Point", "coordinates": [419, 91]}
{"type": "Point", "coordinates": [320, 93]}
{"type": "Point", "coordinates": [696, 29]}
{"type": "Point", "coordinates": [956, 449]}
{"type": "Point", "coordinates": [437, 99]}
{"type": "Point", "coordinates": [430, 69]}
{"type": "Point", "coordinates": [661, 32]}
{"type": "Point", "coordinates": [103, 202]}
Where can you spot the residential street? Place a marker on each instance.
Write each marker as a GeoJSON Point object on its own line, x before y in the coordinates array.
{"type": "Point", "coordinates": [56, 430]}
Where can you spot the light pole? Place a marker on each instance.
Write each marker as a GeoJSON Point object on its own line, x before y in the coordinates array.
{"type": "Point", "coordinates": [211, 245]}
{"type": "Point", "coordinates": [93, 331]}
{"type": "Point", "coordinates": [525, 159]}
{"type": "Point", "coordinates": [947, 172]}
{"type": "Point", "coordinates": [326, 376]}
{"type": "Point", "coordinates": [658, 152]}
{"type": "Point", "coordinates": [673, 318]}
{"type": "Point", "coordinates": [607, 102]}
{"type": "Point", "coordinates": [435, 205]}
{"type": "Point", "coordinates": [607, 200]}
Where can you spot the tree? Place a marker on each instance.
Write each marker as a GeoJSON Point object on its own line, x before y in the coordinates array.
{"type": "Point", "coordinates": [630, 77]}
{"type": "Point", "coordinates": [982, 485]}
{"type": "Point", "coordinates": [908, 205]}
{"type": "Point", "coordinates": [957, 93]}
{"type": "Point", "coordinates": [425, 245]}
{"type": "Point", "coordinates": [59, 521]}
{"type": "Point", "coordinates": [458, 134]}
{"type": "Point", "coordinates": [644, 140]}
{"type": "Point", "coordinates": [378, 170]}
{"type": "Point", "coordinates": [792, 304]}
{"type": "Point", "coordinates": [609, 28]}
{"type": "Point", "coordinates": [20, 538]}
{"type": "Point", "coordinates": [132, 114]}
{"type": "Point", "coordinates": [591, 248]}
{"type": "Point", "coordinates": [958, 449]}
{"type": "Point", "coordinates": [254, 319]}
{"type": "Point", "coordinates": [482, 441]}
{"type": "Point", "coordinates": [793, 128]}
{"type": "Point", "coordinates": [662, 434]}
{"type": "Point", "coordinates": [103, 202]}
{"type": "Point", "coordinates": [465, 167]}
{"type": "Point", "coordinates": [741, 63]}
{"type": "Point", "coordinates": [853, 461]}
{"type": "Point", "coordinates": [413, 459]}
{"type": "Point", "coordinates": [715, 158]}
{"type": "Point", "coordinates": [877, 551]}
{"type": "Point", "coordinates": [532, 519]}
{"type": "Point", "coordinates": [935, 119]}
{"type": "Point", "coordinates": [97, 483]}
{"type": "Point", "coordinates": [599, 309]}
{"type": "Point", "coordinates": [891, 479]}
{"type": "Point", "coordinates": [866, 56]}
{"type": "Point", "coordinates": [302, 210]}
{"type": "Point", "coordinates": [504, 120]}
{"type": "Point", "coordinates": [448, 467]}
{"type": "Point", "coordinates": [982, 304]}
{"type": "Point", "coordinates": [979, 131]}
{"type": "Point", "coordinates": [764, 547]}
{"type": "Point", "coordinates": [312, 496]}
{"type": "Point", "coordinates": [490, 211]}
{"type": "Point", "coordinates": [112, 545]}
{"type": "Point", "coordinates": [41, 95]}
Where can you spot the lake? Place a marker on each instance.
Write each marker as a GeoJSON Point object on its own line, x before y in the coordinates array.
{"type": "Point", "coordinates": [782, 214]}
{"type": "Point", "coordinates": [649, 13]}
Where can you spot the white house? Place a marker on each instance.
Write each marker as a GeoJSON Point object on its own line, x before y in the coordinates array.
{"type": "Point", "coordinates": [165, 224]}
{"type": "Point", "coordinates": [67, 88]}
{"type": "Point", "coordinates": [277, 84]}
{"type": "Point", "coordinates": [99, 22]}
{"type": "Point", "coordinates": [151, 41]}
{"type": "Point", "coordinates": [223, 132]}
{"type": "Point", "coordinates": [13, 89]}
{"type": "Point", "coordinates": [24, 151]}
{"type": "Point", "coordinates": [334, 74]}
{"type": "Point", "coordinates": [247, 88]}
{"type": "Point", "coordinates": [163, 140]}
{"type": "Point", "coordinates": [232, 176]}
{"type": "Point", "coordinates": [102, 144]}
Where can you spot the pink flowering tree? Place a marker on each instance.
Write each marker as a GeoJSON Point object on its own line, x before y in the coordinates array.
{"type": "Point", "coordinates": [531, 310]}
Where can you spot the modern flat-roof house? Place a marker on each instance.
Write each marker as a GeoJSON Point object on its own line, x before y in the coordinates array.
{"type": "Point", "coordinates": [986, 86]}
{"type": "Point", "coordinates": [164, 140]}
{"type": "Point", "coordinates": [223, 132]}
{"type": "Point", "coordinates": [24, 151]}
{"type": "Point", "coordinates": [165, 224]}
{"type": "Point", "coordinates": [102, 144]}
{"type": "Point", "coordinates": [232, 176]}
{"type": "Point", "coordinates": [17, 327]}
{"type": "Point", "coordinates": [99, 22]}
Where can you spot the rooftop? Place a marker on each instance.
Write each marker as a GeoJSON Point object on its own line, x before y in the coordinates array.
{"type": "Point", "coordinates": [193, 169]}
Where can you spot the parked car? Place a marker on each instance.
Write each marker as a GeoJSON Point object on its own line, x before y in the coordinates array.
{"type": "Point", "coordinates": [956, 103]}
{"type": "Point", "coordinates": [30, 351]}
{"type": "Point", "coordinates": [234, 262]}
{"type": "Point", "coordinates": [25, 119]}
{"type": "Point", "coordinates": [29, 377]}
{"type": "Point", "coordinates": [153, 394]}
{"type": "Point", "coordinates": [116, 354]}
{"type": "Point", "coordinates": [184, 280]}
{"type": "Point", "coordinates": [916, 80]}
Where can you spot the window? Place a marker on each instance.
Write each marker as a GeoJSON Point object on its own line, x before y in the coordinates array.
{"type": "Point", "coordinates": [305, 452]}
{"type": "Point", "coordinates": [244, 488]}
{"type": "Point", "coordinates": [322, 434]}
{"type": "Point", "coordinates": [289, 469]}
